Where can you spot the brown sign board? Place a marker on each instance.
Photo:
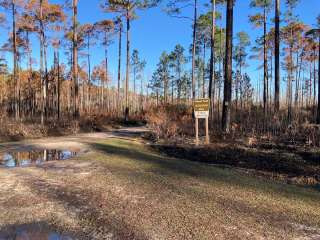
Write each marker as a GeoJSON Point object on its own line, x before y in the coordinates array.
{"type": "Point", "coordinates": [201, 105]}
{"type": "Point", "coordinates": [201, 111]}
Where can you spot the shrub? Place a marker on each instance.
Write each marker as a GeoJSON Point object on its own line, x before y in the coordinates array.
{"type": "Point", "coordinates": [171, 121]}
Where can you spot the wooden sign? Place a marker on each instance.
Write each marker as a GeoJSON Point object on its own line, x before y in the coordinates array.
{"type": "Point", "coordinates": [201, 114]}
{"type": "Point", "coordinates": [201, 105]}
{"type": "Point", "coordinates": [201, 111]}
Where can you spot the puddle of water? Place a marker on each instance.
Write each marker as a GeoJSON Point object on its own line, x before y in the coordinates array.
{"type": "Point", "coordinates": [35, 157]}
{"type": "Point", "coordinates": [33, 233]}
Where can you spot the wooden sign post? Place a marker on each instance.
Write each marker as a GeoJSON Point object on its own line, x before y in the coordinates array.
{"type": "Point", "coordinates": [201, 111]}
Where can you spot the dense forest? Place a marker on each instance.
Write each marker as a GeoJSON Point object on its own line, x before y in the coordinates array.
{"type": "Point", "coordinates": [67, 86]}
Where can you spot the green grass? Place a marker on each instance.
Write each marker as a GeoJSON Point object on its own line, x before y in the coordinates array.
{"type": "Point", "coordinates": [138, 155]}
{"type": "Point", "coordinates": [133, 160]}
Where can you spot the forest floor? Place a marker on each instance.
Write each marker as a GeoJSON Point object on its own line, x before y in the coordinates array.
{"type": "Point", "coordinates": [117, 187]}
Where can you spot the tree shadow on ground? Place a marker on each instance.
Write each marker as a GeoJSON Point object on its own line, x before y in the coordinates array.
{"type": "Point", "coordinates": [94, 223]}
{"type": "Point", "coordinates": [292, 167]}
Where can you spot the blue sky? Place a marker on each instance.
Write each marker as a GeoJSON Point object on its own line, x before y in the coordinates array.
{"type": "Point", "coordinates": [155, 32]}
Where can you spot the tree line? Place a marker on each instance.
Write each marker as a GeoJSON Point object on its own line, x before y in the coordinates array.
{"type": "Point", "coordinates": [213, 66]}
{"type": "Point", "coordinates": [274, 99]}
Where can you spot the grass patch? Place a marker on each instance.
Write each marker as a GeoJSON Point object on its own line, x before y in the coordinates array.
{"type": "Point", "coordinates": [136, 156]}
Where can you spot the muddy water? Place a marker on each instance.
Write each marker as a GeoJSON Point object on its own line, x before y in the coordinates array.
{"type": "Point", "coordinates": [32, 232]}
{"type": "Point", "coordinates": [32, 158]}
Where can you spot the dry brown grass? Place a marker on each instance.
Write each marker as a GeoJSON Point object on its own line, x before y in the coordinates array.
{"type": "Point", "coordinates": [170, 121]}
{"type": "Point", "coordinates": [11, 130]}
{"type": "Point", "coordinates": [175, 123]}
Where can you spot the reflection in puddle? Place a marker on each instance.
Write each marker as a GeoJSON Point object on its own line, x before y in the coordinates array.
{"type": "Point", "coordinates": [32, 233]}
{"type": "Point", "coordinates": [36, 157]}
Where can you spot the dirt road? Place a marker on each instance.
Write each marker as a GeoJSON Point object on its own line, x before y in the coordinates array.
{"type": "Point", "coordinates": [117, 188]}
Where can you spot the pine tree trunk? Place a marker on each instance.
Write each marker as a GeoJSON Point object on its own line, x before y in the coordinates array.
{"type": "Point", "coordinates": [194, 49]}
{"type": "Point", "coordinates": [212, 56]}
{"type": "Point", "coordinates": [46, 80]}
{"type": "Point", "coordinates": [106, 77]}
{"type": "Point", "coordinates": [318, 113]}
{"type": "Point", "coordinates": [204, 71]}
{"type": "Point", "coordinates": [15, 60]}
{"type": "Point", "coordinates": [119, 63]}
{"type": "Point", "coordinates": [58, 85]}
{"type": "Point", "coordinates": [310, 86]}
{"type": "Point", "coordinates": [179, 82]}
{"type": "Point", "coordinates": [42, 78]}
{"type": "Point", "coordinates": [30, 76]}
{"type": "Point", "coordinates": [314, 83]}
{"type": "Point", "coordinates": [290, 78]}
{"type": "Point", "coordinates": [226, 114]}
{"type": "Point", "coordinates": [265, 65]}
{"type": "Point", "coordinates": [127, 66]}
{"type": "Point", "coordinates": [75, 61]}
{"type": "Point", "coordinates": [277, 57]}
{"type": "Point", "coordinates": [172, 91]}
{"type": "Point", "coordinates": [221, 62]}
{"type": "Point", "coordinates": [165, 91]}
{"type": "Point", "coordinates": [89, 75]}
